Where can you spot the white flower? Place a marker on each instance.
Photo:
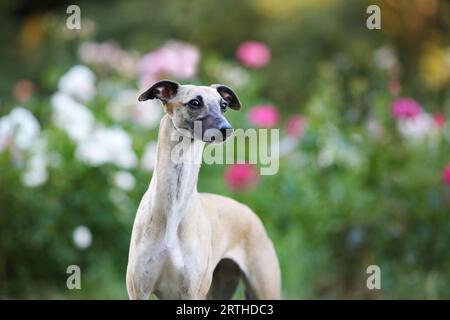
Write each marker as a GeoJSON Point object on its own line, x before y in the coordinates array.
{"type": "Point", "coordinates": [20, 128]}
{"type": "Point", "coordinates": [417, 128]}
{"type": "Point", "coordinates": [35, 173]}
{"type": "Point", "coordinates": [233, 75]}
{"type": "Point", "coordinates": [120, 107]}
{"type": "Point", "coordinates": [107, 145]}
{"type": "Point", "coordinates": [72, 117]}
{"type": "Point", "coordinates": [82, 237]}
{"type": "Point", "coordinates": [326, 157]}
{"type": "Point", "coordinates": [149, 158]}
{"type": "Point", "coordinates": [93, 152]}
{"type": "Point", "coordinates": [147, 113]}
{"type": "Point", "coordinates": [79, 82]}
{"type": "Point", "coordinates": [124, 180]}
{"type": "Point", "coordinates": [126, 106]}
{"type": "Point", "coordinates": [337, 150]}
{"type": "Point", "coordinates": [375, 128]}
{"type": "Point", "coordinates": [385, 58]}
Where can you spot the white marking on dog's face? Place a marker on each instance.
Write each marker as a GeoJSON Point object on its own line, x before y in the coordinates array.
{"type": "Point", "coordinates": [196, 111]}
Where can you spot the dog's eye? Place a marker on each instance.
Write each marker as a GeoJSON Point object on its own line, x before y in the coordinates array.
{"type": "Point", "coordinates": [194, 103]}
{"type": "Point", "coordinates": [224, 106]}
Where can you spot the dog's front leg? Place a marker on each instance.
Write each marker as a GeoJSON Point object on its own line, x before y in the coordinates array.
{"type": "Point", "coordinates": [139, 286]}
{"type": "Point", "coordinates": [141, 277]}
{"type": "Point", "coordinates": [199, 285]}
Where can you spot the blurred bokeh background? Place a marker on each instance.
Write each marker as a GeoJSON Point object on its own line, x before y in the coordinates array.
{"type": "Point", "coordinates": [364, 172]}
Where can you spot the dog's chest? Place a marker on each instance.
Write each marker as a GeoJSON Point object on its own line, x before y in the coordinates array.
{"type": "Point", "coordinates": [179, 273]}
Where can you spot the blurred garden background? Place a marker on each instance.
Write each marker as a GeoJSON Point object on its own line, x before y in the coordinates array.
{"type": "Point", "coordinates": [364, 173]}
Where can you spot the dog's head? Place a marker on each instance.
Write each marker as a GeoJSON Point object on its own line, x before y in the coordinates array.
{"type": "Point", "coordinates": [196, 111]}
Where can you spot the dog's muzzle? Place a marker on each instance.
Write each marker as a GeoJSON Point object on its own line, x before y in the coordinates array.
{"type": "Point", "coordinates": [219, 132]}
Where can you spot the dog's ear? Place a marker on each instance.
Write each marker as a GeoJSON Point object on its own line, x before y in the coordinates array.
{"type": "Point", "coordinates": [229, 96]}
{"type": "Point", "coordinates": [163, 90]}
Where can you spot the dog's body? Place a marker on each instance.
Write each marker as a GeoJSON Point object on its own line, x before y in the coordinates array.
{"type": "Point", "coordinates": [190, 245]}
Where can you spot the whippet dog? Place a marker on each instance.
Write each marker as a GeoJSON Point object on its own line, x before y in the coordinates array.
{"type": "Point", "coordinates": [191, 245]}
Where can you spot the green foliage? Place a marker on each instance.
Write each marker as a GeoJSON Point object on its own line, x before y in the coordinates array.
{"type": "Point", "coordinates": [348, 196]}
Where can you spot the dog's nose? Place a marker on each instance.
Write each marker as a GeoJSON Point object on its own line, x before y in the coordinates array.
{"type": "Point", "coordinates": [226, 131]}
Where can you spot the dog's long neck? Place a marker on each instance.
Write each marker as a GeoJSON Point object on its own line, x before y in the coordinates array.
{"type": "Point", "coordinates": [174, 181]}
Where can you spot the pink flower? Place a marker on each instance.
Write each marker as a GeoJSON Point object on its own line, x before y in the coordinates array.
{"type": "Point", "coordinates": [405, 108]}
{"type": "Point", "coordinates": [241, 176]}
{"type": "Point", "coordinates": [110, 56]}
{"type": "Point", "coordinates": [295, 126]}
{"type": "Point", "coordinates": [253, 54]}
{"type": "Point", "coordinates": [265, 116]}
{"type": "Point", "coordinates": [439, 120]}
{"type": "Point", "coordinates": [446, 175]}
{"type": "Point", "coordinates": [174, 59]}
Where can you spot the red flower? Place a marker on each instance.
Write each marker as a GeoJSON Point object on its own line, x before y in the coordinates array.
{"type": "Point", "coordinates": [406, 108]}
{"type": "Point", "coordinates": [264, 116]}
{"type": "Point", "coordinates": [295, 126]}
{"type": "Point", "coordinates": [253, 54]}
{"type": "Point", "coordinates": [241, 176]}
{"type": "Point", "coordinates": [446, 175]}
{"type": "Point", "coordinates": [439, 120]}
